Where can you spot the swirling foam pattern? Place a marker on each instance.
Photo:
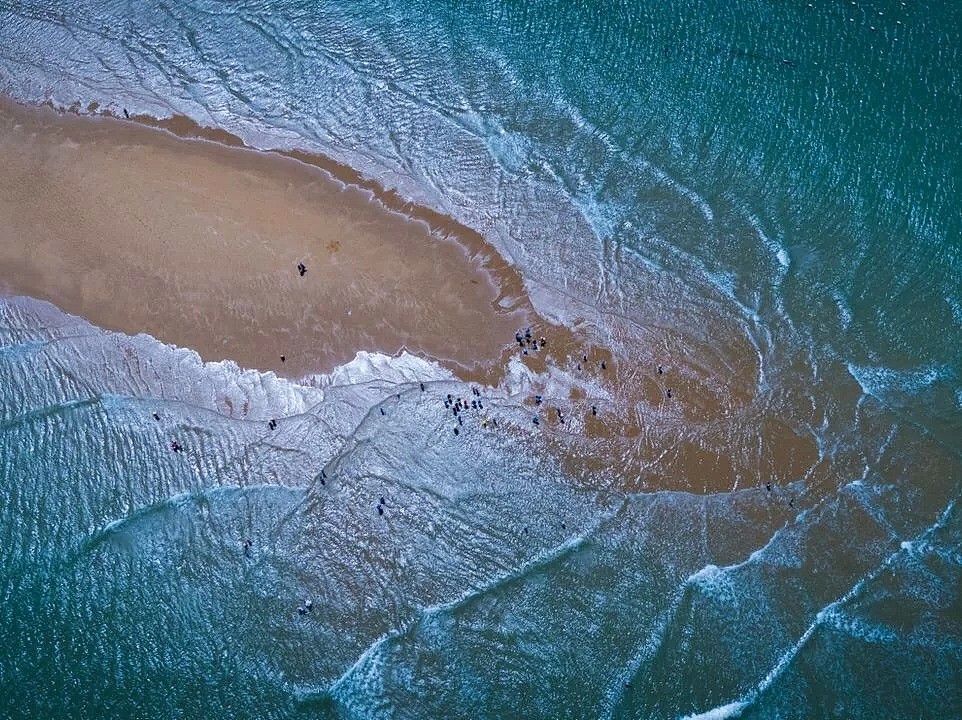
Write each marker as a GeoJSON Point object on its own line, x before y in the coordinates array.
{"type": "Point", "coordinates": [778, 177]}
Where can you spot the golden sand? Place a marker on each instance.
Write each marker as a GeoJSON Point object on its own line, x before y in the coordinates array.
{"type": "Point", "coordinates": [198, 244]}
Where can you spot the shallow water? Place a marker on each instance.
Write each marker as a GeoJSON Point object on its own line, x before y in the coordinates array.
{"type": "Point", "coordinates": [762, 198]}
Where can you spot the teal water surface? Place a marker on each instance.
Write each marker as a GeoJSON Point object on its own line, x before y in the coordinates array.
{"type": "Point", "coordinates": [781, 176]}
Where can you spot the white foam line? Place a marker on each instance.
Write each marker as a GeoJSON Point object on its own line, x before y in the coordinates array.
{"type": "Point", "coordinates": [734, 709]}
{"type": "Point", "coordinates": [544, 558]}
{"type": "Point", "coordinates": [723, 712]}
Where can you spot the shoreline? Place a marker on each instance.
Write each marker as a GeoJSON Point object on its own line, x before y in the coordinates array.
{"type": "Point", "coordinates": [71, 178]}
{"type": "Point", "coordinates": [111, 203]}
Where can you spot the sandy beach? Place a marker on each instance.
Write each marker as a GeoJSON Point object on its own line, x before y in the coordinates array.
{"type": "Point", "coordinates": [198, 244]}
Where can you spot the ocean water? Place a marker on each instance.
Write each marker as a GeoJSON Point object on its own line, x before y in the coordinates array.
{"type": "Point", "coordinates": [773, 180]}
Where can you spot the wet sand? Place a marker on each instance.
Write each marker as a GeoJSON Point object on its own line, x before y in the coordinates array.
{"type": "Point", "coordinates": [169, 228]}
{"type": "Point", "coordinates": [198, 243]}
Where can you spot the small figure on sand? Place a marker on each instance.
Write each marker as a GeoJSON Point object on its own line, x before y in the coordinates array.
{"type": "Point", "coordinates": [283, 358]}
{"type": "Point", "coordinates": [301, 268]}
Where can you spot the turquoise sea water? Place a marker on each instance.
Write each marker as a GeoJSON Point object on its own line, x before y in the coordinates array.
{"type": "Point", "coordinates": [776, 175]}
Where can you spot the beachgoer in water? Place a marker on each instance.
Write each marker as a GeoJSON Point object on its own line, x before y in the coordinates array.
{"type": "Point", "coordinates": [768, 486]}
{"type": "Point", "coordinates": [126, 114]}
{"type": "Point", "coordinates": [382, 411]}
{"type": "Point", "coordinates": [422, 387]}
{"type": "Point", "coordinates": [382, 501]}
{"type": "Point", "coordinates": [661, 370]}
{"type": "Point", "coordinates": [535, 420]}
{"type": "Point", "coordinates": [380, 510]}
{"type": "Point", "coordinates": [455, 431]}
{"type": "Point", "coordinates": [668, 393]}
{"type": "Point", "coordinates": [156, 416]}
{"type": "Point", "coordinates": [594, 410]}
{"type": "Point", "coordinates": [272, 424]}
